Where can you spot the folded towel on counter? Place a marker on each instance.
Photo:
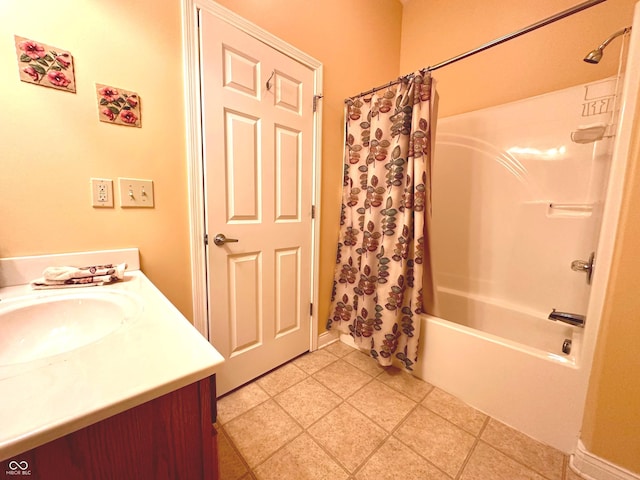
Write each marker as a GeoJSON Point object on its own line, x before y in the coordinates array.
{"type": "Point", "coordinates": [65, 277]}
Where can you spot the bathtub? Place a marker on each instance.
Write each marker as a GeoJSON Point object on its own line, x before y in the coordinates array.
{"type": "Point", "coordinates": [486, 363]}
{"type": "Point", "coordinates": [514, 202]}
{"type": "Point", "coordinates": [514, 323]}
{"type": "Point", "coordinates": [531, 389]}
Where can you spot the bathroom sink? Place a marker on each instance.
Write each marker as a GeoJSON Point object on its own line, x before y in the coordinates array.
{"type": "Point", "coordinates": [40, 326]}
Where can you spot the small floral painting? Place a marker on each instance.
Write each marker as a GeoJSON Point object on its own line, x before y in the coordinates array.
{"type": "Point", "coordinates": [116, 105]}
{"type": "Point", "coordinates": [45, 65]}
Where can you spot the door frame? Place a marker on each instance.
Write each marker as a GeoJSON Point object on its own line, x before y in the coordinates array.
{"type": "Point", "coordinates": [195, 168]}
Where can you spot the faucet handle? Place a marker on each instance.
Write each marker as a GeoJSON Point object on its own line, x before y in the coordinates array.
{"type": "Point", "coordinates": [584, 266]}
{"type": "Point", "coordinates": [580, 265]}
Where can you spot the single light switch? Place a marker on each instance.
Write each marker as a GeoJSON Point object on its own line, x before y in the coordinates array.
{"type": "Point", "coordinates": [135, 192]}
{"type": "Point", "coordinates": [101, 192]}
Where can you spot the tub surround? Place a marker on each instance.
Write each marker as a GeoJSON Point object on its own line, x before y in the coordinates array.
{"type": "Point", "coordinates": [153, 354]}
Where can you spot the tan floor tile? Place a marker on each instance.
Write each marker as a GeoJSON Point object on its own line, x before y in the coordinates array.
{"type": "Point", "coordinates": [239, 401]}
{"type": "Point", "coordinates": [314, 361]}
{"type": "Point", "coordinates": [342, 378]}
{"type": "Point", "coordinates": [347, 435]}
{"type": "Point", "coordinates": [543, 459]}
{"type": "Point", "coordinates": [281, 379]}
{"type": "Point", "coordinates": [339, 349]}
{"type": "Point", "coordinates": [231, 465]}
{"type": "Point", "coordinates": [261, 431]}
{"type": "Point", "coordinates": [308, 401]}
{"type": "Point", "coordinates": [364, 362]}
{"type": "Point", "coordinates": [382, 404]}
{"type": "Point", "coordinates": [487, 463]}
{"type": "Point", "coordinates": [455, 410]}
{"type": "Point", "coordinates": [437, 440]}
{"type": "Point", "coordinates": [413, 387]}
{"type": "Point", "coordinates": [301, 459]}
{"type": "Point", "coordinates": [395, 460]}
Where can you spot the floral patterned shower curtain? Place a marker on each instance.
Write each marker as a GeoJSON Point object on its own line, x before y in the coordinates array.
{"type": "Point", "coordinates": [383, 277]}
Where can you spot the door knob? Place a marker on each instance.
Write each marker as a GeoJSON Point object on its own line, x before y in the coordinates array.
{"type": "Point", "coordinates": [584, 266]}
{"type": "Point", "coordinates": [220, 239]}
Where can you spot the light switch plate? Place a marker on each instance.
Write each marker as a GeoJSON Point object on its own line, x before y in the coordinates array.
{"type": "Point", "coordinates": [135, 192]}
{"type": "Point", "coordinates": [101, 192]}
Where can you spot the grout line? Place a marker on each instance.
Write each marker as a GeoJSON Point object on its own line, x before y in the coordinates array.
{"type": "Point", "coordinates": [473, 447]}
{"type": "Point", "coordinates": [368, 457]}
{"type": "Point", "coordinates": [272, 398]}
{"type": "Point", "coordinates": [246, 411]}
{"type": "Point", "coordinates": [288, 387]}
{"type": "Point", "coordinates": [410, 447]}
{"type": "Point", "coordinates": [521, 462]}
{"type": "Point", "coordinates": [329, 454]}
{"type": "Point", "coordinates": [304, 430]}
{"type": "Point", "coordinates": [286, 444]}
{"type": "Point", "coordinates": [342, 401]}
{"type": "Point", "coordinates": [388, 434]}
{"type": "Point", "coordinates": [233, 446]}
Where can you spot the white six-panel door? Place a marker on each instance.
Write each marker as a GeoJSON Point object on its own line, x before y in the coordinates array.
{"type": "Point", "coordinates": [257, 108]}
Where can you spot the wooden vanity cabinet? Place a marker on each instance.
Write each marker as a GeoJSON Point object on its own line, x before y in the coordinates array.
{"type": "Point", "coordinates": [169, 438]}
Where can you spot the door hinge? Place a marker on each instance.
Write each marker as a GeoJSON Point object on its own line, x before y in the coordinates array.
{"type": "Point", "coordinates": [315, 101]}
{"type": "Point", "coordinates": [311, 309]}
{"type": "Point", "coordinates": [206, 239]}
{"type": "Point", "coordinates": [313, 211]}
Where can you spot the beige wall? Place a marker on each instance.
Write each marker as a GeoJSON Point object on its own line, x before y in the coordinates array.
{"type": "Point", "coordinates": [542, 61]}
{"type": "Point", "coordinates": [343, 35]}
{"type": "Point", "coordinates": [51, 142]}
{"type": "Point", "coordinates": [547, 59]}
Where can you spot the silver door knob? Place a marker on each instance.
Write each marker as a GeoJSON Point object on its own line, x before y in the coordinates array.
{"type": "Point", "coordinates": [220, 239]}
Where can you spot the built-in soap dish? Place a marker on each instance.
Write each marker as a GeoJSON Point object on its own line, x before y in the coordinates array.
{"type": "Point", "coordinates": [577, 210]}
{"type": "Point", "coordinates": [589, 133]}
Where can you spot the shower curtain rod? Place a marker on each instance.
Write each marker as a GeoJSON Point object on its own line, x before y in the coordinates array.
{"type": "Point", "coordinates": [493, 43]}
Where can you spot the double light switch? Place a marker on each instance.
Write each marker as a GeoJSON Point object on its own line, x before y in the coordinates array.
{"type": "Point", "coordinates": [135, 192]}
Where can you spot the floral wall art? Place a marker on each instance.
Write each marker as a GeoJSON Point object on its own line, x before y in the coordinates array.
{"type": "Point", "coordinates": [119, 106]}
{"type": "Point", "coordinates": [45, 65]}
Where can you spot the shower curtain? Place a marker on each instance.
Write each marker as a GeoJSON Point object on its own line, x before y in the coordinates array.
{"type": "Point", "coordinates": [383, 278]}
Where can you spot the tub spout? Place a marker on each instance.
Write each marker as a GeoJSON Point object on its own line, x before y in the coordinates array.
{"type": "Point", "coordinates": [574, 319]}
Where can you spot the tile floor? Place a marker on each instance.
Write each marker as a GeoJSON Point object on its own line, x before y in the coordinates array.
{"type": "Point", "coordinates": [334, 414]}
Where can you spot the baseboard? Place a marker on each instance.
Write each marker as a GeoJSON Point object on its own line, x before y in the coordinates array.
{"type": "Point", "coordinates": [592, 467]}
{"type": "Point", "coordinates": [326, 338]}
{"type": "Point", "coordinates": [348, 340]}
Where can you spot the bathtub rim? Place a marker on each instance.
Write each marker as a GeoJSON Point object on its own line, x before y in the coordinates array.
{"type": "Point", "coordinates": [569, 361]}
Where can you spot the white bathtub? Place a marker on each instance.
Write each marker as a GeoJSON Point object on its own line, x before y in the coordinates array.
{"type": "Point", "coordinates": [513, 323]}
{"type": "Point", "coordinates": [515, 201]}
{"type": "Point", "coordinates": [521, 385]}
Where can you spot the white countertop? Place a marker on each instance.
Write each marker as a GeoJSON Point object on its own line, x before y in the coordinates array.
{"type": "Point", "coordinates": [155, 353]}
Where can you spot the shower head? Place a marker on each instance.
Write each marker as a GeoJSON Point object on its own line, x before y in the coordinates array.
{"type": "Point", "coordinates": [594, 56]}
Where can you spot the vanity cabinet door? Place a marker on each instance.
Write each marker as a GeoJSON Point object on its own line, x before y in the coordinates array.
{"type": "Point", "coordinates": [168, 438]}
